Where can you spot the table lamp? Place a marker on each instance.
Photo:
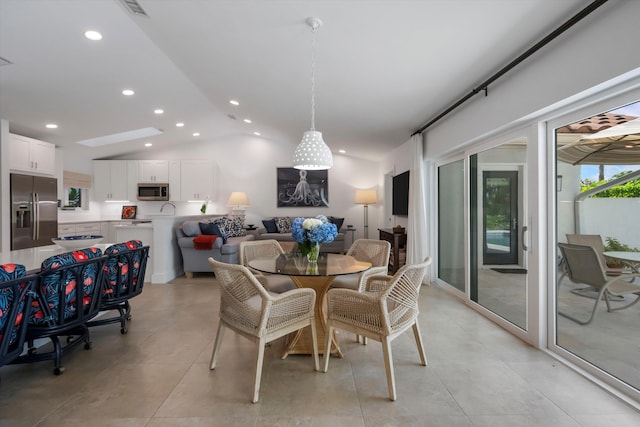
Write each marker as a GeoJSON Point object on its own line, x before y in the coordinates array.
{"type": "Point", "coordinates": [366, 198]}
{"type": "Point", "coordinates": [238, 201]}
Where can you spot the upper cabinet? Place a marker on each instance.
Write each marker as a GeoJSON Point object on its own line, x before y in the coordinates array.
{"type": "Point", "coordinates": [110, 180]}
{"type": "Point", "coordinates": [196, 180]}
{"type": "Point", "coordinates": [153, 171]}
{"type": "Point", "coordinates": [31, 155]}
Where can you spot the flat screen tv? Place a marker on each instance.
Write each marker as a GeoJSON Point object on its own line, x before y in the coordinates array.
{"type": "Point", "coordinates": [400, 191]}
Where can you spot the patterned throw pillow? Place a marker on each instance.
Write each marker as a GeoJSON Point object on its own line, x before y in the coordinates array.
{"type": "Point", "coordinates": [230, 227]}
{"type": "Point", "coordinates": [283, 223]}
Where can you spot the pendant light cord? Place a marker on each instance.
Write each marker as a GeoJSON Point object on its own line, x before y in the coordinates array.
{"type": "Point", "coordinates": [313, 77]}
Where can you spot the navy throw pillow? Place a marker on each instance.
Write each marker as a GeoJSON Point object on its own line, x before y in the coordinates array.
{"type": "Point", "coordinates": [270, 225]}
{"type": "Point", "coordinates": [212, 229]}
{"type": "Point", "coordinates": [337, 221]}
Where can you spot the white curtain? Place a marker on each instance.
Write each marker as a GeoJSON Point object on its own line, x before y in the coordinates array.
{"type": "Point", "coordinates": [417, 227]}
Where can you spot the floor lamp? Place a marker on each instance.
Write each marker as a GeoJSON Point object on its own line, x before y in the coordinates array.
{"type": "Point", "coordinates": [366, 198]}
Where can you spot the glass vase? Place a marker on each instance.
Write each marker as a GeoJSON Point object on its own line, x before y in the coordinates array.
{"type": "Point", "coordinates": [314, 252]}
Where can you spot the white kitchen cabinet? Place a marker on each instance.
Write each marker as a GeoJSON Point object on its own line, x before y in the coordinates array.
{"type": "Point", "coordinates": [196, 180]}
{"type": "Point", "coordinates": [80, 229]}
{"type": "Point", "coordinates": [153, 171]}
{"type": "Point", "coordinates": [31, 155]}
{"type": "Point", "coordinates": [110, 180]}
{"type": "Point", "coordinates": [174, 180]}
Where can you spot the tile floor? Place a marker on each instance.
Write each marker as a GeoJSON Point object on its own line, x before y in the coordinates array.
{"type": "Point", "coordinates": [157, 375]}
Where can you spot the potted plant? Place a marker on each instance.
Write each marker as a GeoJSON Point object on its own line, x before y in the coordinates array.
{"type": "Point", "coordinates": [614, 245]}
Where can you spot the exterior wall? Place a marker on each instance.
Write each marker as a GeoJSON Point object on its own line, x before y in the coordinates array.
{"type": "Point", "coordinates": [611, 218]}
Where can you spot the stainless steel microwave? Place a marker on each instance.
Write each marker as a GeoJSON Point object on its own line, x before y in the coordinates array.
{"type": "Point", "coordinates": [153, 191]}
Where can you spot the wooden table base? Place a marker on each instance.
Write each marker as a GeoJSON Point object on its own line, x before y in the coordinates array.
{"type": "Point", "coordinates": [300, 341]}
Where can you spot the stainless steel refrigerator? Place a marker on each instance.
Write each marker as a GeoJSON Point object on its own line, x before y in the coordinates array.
{"type": "Point", "coordinates": [34, 211]}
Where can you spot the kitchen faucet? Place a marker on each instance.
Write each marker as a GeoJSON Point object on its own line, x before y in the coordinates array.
{"type": "Point", "coordinates": [171, 204]}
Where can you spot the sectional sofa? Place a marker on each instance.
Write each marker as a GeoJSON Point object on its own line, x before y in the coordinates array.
{"type": "Point", "coordinates": [270, 230]}
{"type": "Point", "coordinates": [223, 248]}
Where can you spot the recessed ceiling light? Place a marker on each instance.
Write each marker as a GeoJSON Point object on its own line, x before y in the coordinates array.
{"type": "Point", "coordinates": [247, 120]}
{"type": "Point", "coordinates": [179, 124]}
{"type": "Point", "coordinates": [256, 133]}
{"type": "Point", "coordinates": [341, 151]}
{"type": "Point", "coordinates": [51, 126]}
{"type": "Point", "coordinates": [196, 134]}
{"type": "Point", "coordinates": [93, 35]}
{"type": "Point", "coordinates": [148, 144]}
{"type": "Point", "coordinates": [234, 102]}
{"type": "Point", "coordinates": [128, 92]}
{"type": "Point", "coordinates": [158, 111]}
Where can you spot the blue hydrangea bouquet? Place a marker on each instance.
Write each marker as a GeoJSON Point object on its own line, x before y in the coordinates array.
{"type": "Point", "coordinates": [311, 232]}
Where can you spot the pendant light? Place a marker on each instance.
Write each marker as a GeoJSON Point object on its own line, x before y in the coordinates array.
{"type": "Point", "coordinates": [312, 153]}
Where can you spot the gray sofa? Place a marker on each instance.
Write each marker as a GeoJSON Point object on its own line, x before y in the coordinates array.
{"type": "Point", "coordinates": [195, 260]}
{"type": "Point", "coordinates": [337, 246]}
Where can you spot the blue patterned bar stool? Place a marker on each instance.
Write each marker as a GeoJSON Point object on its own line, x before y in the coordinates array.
{"type": "Point", "coordinates": [124, 278]}
{"type": "Point", "coordinates": [67, 297]}
{"type": "Point", "coordinates": [16, 292]}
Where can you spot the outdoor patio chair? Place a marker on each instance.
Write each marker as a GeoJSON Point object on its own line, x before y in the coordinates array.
{"type": "Point", "coordinates": [260, 316]}
{"type": "Point", "coordinates": [386, 308]}
{"type": "Point", "coordinates": [583, 266]}
{"type": "Point", "coordinates": [16, 292]}
{"type": "Point", "coordinates": [250, 250]}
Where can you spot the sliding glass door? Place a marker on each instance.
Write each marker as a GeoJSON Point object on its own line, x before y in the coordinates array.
{"type": "Point", "coordinates": [451, 252]}
{"type": "Point", "coordinates": [498, 267]}
{"type": "Point", "coordinates": [598, 205]}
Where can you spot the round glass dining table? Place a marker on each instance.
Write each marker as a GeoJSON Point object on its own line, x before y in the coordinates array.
{"type": "Point", "coordinates": [317, 276]}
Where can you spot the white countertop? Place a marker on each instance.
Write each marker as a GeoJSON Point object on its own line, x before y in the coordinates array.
{"type": "Point", "coordinates": [32, 258]}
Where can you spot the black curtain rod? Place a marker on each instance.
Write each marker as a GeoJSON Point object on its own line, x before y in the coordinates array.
{"type": "Point", "coordinates": [484, 85]}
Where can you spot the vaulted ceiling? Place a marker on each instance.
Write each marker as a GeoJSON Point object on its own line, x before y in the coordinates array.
{"type": "Point", "coordinates": [383, 67]}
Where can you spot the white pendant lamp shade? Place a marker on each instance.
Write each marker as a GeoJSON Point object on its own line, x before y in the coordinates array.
{"type": "Point", "coordinates": [312, 153]}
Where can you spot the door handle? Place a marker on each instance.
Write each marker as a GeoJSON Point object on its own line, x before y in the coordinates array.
{"type": "Point", "coordinates": [36, 219]}
{"type": "Point", "coordinates": [524, 230]}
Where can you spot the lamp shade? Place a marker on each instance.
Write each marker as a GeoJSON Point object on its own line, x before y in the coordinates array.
{"type": "Point", "coordinates": [312, 153]}
{"type": "Point", "coordinates": [366, 197]}
{"type": "Point", "coordinates": [238, 198]}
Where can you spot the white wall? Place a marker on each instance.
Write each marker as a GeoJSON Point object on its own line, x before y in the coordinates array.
{"type": "Point", "coordinates": [248, 163]}
{"type": "Point", "coordinates": [396, 162]}
{"type": "Point", "coordinates": [580, 59]}
{"type": "Point", "coordinates": [612, 218]}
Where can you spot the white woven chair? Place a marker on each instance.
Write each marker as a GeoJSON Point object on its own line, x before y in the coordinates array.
{"type": "Point", "coordinates": [265, 248]}
{"type": "Point", "coordinates": [386, 308]}
{"type": "Point", "coordinates": [583, 266]}
{"type": "Point", "coordinates": [369, 250]}
{"type": "Point", "coordinates": [249, 310]}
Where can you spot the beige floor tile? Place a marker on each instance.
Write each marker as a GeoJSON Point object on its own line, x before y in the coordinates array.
{"type": "Point", "coordinates": [158, 375]}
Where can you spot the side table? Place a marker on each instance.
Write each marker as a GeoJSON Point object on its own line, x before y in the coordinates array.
{"type": "Point", "coordinates": [353, 236]}
{"type": "Point", "coordinates": [398, 245]}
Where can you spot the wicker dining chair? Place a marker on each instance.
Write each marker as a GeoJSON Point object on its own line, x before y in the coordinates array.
{"type": "Point", "coordinates": [386, 308]}
{"type": "Point", "coordinates": [250, 311]}
{"type": "Point", "coordinates": [253, 249]}
{"type": "Point", "coordinates": [369, 250]}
